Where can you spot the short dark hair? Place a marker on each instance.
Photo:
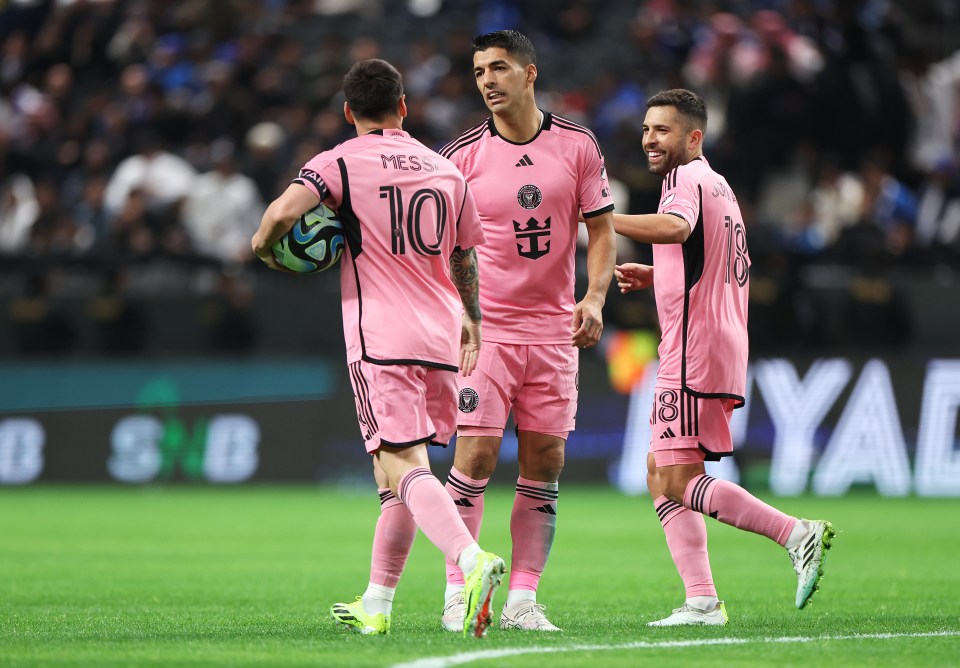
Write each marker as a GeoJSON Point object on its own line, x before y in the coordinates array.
{"type": "Point", "coordinates": [690, 105]}
{"type": "Point", "coordinates": [373, 89]}
{"type": "Point", "coordinates": [513, 42]}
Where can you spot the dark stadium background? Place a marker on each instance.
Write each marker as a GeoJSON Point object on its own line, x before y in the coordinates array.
{"type": "Point", "coordinates": [140, 342]}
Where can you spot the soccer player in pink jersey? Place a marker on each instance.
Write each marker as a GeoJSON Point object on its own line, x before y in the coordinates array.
{"type": "Point", "coordinates": [701, 280]}
{"type": "Point", "coordinates": [410, 224]}
{"type": "Point", "coordinates": [532, 173]}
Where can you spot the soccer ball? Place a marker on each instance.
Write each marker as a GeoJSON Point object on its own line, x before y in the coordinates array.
{"type": "Point", "coordinates": [314, 243]}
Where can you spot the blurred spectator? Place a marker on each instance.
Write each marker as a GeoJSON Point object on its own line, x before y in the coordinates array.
{"type": "Point", "coordinates": [265, 142]}
{"type": "Point", "coordinates": [164, 177]}
{"type": "Point", "coordinates": [90, 215]}
{"type": "Point", "coordinates": [54, 231]}
{"type": "Point", "coordinates": [837, 200]}
{"type": "Point", "coordinates": [933, 91]}
{"type": "Point", "coordinates": [18, 212]}
{"type": "Point", "coordinates": [223, 209]}
{"type": "Point", "coordinates": [134, 232]}
{"type": "Point", "coordinates": [889, 205]}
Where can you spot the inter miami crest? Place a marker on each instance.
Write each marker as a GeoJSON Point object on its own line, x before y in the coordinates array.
{"type": "Point", "coordinates": [469, 400]}
{"type": "Point", "coordinates": [529, 197]}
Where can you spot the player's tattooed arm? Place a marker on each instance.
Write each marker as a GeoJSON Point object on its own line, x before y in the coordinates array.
{"type": "Point", "coordinates": [466, 276]}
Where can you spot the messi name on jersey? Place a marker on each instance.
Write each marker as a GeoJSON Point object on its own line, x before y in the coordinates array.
{"type": "Point", "coordinates": [411, 163]}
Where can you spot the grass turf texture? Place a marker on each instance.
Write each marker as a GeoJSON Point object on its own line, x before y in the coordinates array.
{"type": "Point", "coordinates": [244, 576]}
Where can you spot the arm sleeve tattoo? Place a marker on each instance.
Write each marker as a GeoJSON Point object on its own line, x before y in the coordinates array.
{"type": "Point", "coordinates": [466, 276]}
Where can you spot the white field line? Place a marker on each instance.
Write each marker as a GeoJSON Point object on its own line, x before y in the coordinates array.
{"type": "Point", "coordinates": [480, 655]}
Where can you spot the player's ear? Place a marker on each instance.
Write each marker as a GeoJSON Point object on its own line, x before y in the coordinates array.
{"type": "Point", "coordinates": [696, 139]}
{"type": "Point", "coordinates": [402, 106]}
{"type": "Point", "coordinates": [531, 73]}
{"type": "Point", "coordinates": [348, 114]}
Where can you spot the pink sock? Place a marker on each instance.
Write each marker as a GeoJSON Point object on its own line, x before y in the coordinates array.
{"type": "Point", "coordinates": [434, 512]}
{"type": "Point", "coordinates": [686, 535]}
{"type": "Point", "coordinates": [533, 523]}
{"type": "Point", "coordinates": [392, 540]}
{"type": "Point", "coordinates": [467, 495]}
{"type": "Point", "coordinates": [733, 505]}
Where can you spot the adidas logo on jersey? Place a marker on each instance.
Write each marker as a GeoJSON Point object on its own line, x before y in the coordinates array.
{"type": "Point", "coordinates": [668, 433]}
{"type": "Point", "coordinates": [525, 161]}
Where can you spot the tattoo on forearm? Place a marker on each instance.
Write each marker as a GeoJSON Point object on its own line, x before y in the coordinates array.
{"type": "Point", "coordinates": [466, 276]}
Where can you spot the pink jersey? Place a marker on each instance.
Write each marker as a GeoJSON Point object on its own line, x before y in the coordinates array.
{"type": "Point", "coordinates": [529, 197]}
{"type": "Point", "coordinates": [404, 210]}
{"type": "Point", "coordinates": [702, 286]}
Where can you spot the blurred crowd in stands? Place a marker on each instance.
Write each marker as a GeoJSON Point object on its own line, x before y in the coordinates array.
{"type": "Point", "coordinates": [132, 130]}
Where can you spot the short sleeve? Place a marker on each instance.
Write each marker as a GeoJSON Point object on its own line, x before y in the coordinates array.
{"type": "Point", "coordinates": [681, 194]}
{"type": "Point", "coordinates": [322, 175]}
{"type": "Point", "coordinates": [595, 197]}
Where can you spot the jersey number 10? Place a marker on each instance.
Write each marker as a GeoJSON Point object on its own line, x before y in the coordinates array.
{"type": "Point", "coordinates": [407, 226]}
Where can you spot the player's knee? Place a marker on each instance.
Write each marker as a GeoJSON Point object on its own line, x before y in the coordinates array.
{"type": "Point", "coordinates": [542, 461]}
{"type": "Point", "coordinates": [476, 460]}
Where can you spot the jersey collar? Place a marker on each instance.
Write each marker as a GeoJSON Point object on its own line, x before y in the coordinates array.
{"type": "Point", "coordinates": [545, 125]}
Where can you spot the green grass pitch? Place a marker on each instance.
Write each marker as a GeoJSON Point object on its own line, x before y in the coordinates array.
{"type": "Point", "coordinates": [244, 576]}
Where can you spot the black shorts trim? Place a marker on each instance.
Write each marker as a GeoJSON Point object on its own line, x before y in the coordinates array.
{"type": "Point", "coordinates": [410, 444]}
{"type": "Point", "coordinates": [718, 395]}
{"type": "Point", "coordinates": [410, 362]}
{"type": "Point", "coordinates": [710, 455]}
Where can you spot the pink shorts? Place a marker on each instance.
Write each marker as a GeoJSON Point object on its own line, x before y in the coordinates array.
{"type": "Point", "coordinates": [404, 404]}
{"type": "Point", "coordinates": [539, 382]}
{"type": "Point", "coordinates": [686, 429]}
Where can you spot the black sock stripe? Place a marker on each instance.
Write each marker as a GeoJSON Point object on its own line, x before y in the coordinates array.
{"type": "Point", "coordinates": [410, 477]}
{"type": "Point", "coordinates": [538, 490]}
{"type": "Point", "coordinates": [699, 492]}
{"type": "Point", "coordinates": [465, 491]}
{"type": "Point", "coordinates": [707, 482]}
{"type": "Point", "coordinates": [666, 509]}
{"type": "Point", "coordinates": [465, 488]}
{"type": "Point", "coordinates": [533, 495]}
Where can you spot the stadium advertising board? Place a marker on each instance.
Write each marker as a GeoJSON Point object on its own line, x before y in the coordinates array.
{"type": "Point", "coordinates": [825, 426]}
{"type": "Point", "coordinates": [835, 427]}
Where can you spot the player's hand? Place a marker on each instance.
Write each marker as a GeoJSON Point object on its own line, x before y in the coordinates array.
{"type": "Point", "coordinates": [469, 345]}
{"type": "Point", "coordinates": [632, 276]}
{"type": "Point", "coordinates": [587, 322]}
{"type": "Point", "coordinates": [268, 259]}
